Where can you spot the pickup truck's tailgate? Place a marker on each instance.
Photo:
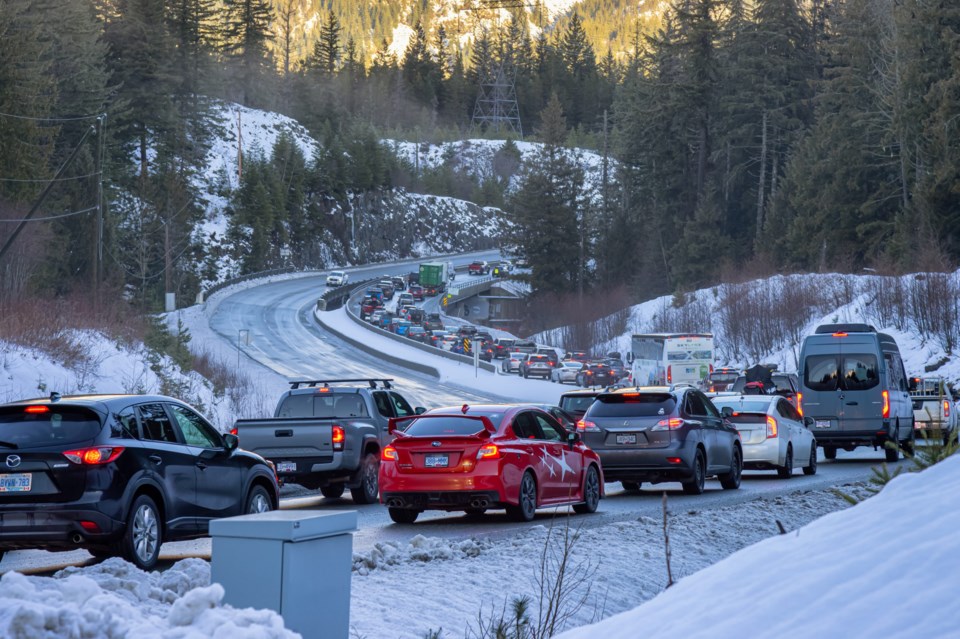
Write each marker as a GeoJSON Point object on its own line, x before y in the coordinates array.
{"type": "Point", "coordinates": [286, 439]}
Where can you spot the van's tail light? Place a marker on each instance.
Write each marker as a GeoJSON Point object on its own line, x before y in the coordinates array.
{"type": "Point", "coordinates": [94, 456]}
{"type": "Point", "coordinates": [771, 427]}
{"type": "Point", "coordinates": [669, 424]}
{"type": "Point", "coordinates": [488, 451]}
{"type": "Point", "coordinates": [800, 404]}
{"type": "Point", "coordinates": [669, 374]}
{"type": "Point", "coordinates": [585, 426]}
{"type": "Point", "coordinates": [389, 454]}
{"type": "Point", "coordinates": [338, 437]}
{"type": "Point", "coordinates": [235, 431]}
{"type": "Point", "coordinates": [886, 404]}
{"type": "Point", "coordinates": [946, 408]}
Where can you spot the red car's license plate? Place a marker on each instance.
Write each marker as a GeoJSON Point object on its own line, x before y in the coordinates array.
{"type": "Point", "coordinates": [436, 461]}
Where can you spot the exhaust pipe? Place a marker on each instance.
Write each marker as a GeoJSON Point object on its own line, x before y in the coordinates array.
{"type": "Point", "coordinates": [479, 502]}
{"type": "Point", "coordinates": [395, 502]}
{"type": "Point", "coordinates": [76, 538]}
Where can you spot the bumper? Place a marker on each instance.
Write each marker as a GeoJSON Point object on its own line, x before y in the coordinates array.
{"type": "Point", "coordinates": [649, 465]}
{"type": "Point", "coordinates": [48, 527]}
{"type": "Point", "coordinates": [852, 438]}
{"type": "Point", "coordinates": [442, 500]}
{"type": "Point", "coordinates": [763, 456]}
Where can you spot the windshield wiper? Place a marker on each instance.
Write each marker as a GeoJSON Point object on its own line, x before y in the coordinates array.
{"type": "Point", "coordinates": [9, 445]}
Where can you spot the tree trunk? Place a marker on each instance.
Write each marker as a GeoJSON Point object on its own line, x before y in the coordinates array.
{"type": "Point", "coordinates": [761, 188]}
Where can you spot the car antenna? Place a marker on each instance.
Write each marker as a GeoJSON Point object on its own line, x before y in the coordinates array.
{"type": "Point", "coordinates": [465, 408]}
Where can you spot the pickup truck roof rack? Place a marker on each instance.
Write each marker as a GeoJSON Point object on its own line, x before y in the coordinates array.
{"type": "Point", "coordinates": [312, 383]}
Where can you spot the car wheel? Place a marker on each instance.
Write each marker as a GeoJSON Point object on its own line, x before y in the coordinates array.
{"type": "Point", "coordinates": [786, 471]}
{"type": "Point", "coordinates": [631, 486]}
{"type": "Point", "coordinates": [141, 540]}
{"type": "Point", "coordinates": [908, 445]}
{"type": "Point", "coordinates": [258, 501]}
{"type": "Point", "coordinates": [811, 467]}
{"type": "Point", "coordinates": [591, 493]}
{"type": "Point", "coordinates": [369, 488]}
{"type": "Point", "coordinates": [829, 452]}
{"type": "Point", "coordinates": [403, 515]}
{"type": "Point", "coordinates": [731, 480]}
{"type": "Point", "coordinates": [527, 501]}
{"type": "Point", "coordinates": [475, 512]}
{"type": "Point", "coordinates": [332, 491]}
{"type": "Point", "coordinates": [525, 375]}
{"type": "Point", "coordinates": [694, 486]}
{"type": "Point", "coordinates": [892, 453]}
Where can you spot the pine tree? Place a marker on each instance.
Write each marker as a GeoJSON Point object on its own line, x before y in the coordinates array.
{"type": "Point", "coordinates": [247, 37]}
{"type": "Point", "coordinates": [579, 82]}
{"type": "Point", "coordinates": [420, 71]}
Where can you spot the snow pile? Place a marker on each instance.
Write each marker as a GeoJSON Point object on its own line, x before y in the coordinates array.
{"type": "Point", "coordinates": [885, 568]}
{"type": "Point", "coordinates": [114, 599]}
{"type": "Point", "coordinates": [420, 549]}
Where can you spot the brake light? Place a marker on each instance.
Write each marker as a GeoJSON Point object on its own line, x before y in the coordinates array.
{"type": "Point", "coordinates": [669, 424]}
{"type": "Point", "coordinates": [674, 460]}
{"type": "Point", "coordinates": [323, 389]}
{"type": "Point", "coordinates": [37, 409]}
{"type": "Point", "coordinates": [488, 451]}
{"type": "Point", "coordinates": [235, 431]}
{"type": "Point", "coordinates": [338, 437]}
{"type": "Point", "coordinates": [841, 334]}
{"type": "Point", "coordinates": [389, 454]}
{"type": "Point", "coordinates": [95, 456]}
{"type": "Point", "coordinates": [669, 374]}
{"type": "Point", "coordinates": [711, 368]}
{"type": "Point", "coordinates": [771, 427]}
{"type": "Point", "coordinates": [90, 526]}
{"type": "Point", "coordinates": [946, 408]}
{"type": "Point", "coordinates": [800, 404]}
{"type": "Point", "coordinates": [585, 426]}
{"type": "Point", "coordinates": [886, 404]}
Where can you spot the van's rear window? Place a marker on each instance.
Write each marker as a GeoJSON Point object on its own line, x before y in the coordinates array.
{"type": "Point", "coordinates": [854, 371]}
{"type": "Point", "coordinates": [21, 427]}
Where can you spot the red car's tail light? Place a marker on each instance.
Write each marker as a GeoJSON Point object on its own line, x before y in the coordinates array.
{"type": "Point", "coordinates": [93, 456]}
{"type": "Point", "coordinates": [771, 427]}
{"type": "Point", "coordinates": [587, 427]}
{"type": "Point", "coordinates": [488, 451]}
{"type": "Point", "coordinates": [338, 437]}
{"type": "Point", "coordinates": [886, 404]}
{"type": "Point", "coordinates": [669, 424]}
{"type": "Point", "coordinates": [389, 454]}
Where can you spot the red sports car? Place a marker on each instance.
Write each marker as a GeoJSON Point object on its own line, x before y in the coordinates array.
{"type": "Point", "coordinates": [476, 458]}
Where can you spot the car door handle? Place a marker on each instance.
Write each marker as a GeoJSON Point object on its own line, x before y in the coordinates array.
{"type": "Point", "coordinates": [283, 433]}
{"type": "Point", "coordinates": [201, 465]}
{"type": "Point", "coordinates": [156, 459]}
{"type": "Point", "coordinates": [853, 403]}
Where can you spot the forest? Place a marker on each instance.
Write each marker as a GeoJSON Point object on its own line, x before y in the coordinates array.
{"type": "Point", "coordinates": [737, 137]}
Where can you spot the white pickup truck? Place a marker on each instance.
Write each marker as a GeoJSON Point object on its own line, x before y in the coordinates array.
{"type": "Point", "coordinates": [337, 278]}
{"type": "Point", "coordinates": [934, 412]}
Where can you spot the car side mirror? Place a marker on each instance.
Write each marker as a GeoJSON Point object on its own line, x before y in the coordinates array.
{"type": "Point", "coordinates": [809, 422]}
{"type": "Point", "coordinates": [727, 412]}
{"type": "Point", "coordinates": [231, 441]}
{"type": "Point", "coordinates": [419, 410]}
{"type": "Point", "coordinates": [573, 438]}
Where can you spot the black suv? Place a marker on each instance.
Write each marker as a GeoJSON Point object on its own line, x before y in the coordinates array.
{"type": "Point", "coordinates": [120, 475]}
{"type": "Point", "coordinates": [659, 434]}
{"type": "Point", "coordinates": [596, 375]}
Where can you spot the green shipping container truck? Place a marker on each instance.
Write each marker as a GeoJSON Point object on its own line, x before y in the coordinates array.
{"type": "Point", "coordinates": [433, 277]}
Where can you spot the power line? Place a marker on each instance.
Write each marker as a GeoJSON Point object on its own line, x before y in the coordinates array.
{"type": "Point", "coordinates": [36, 119]}
{"type": "Point", "coordinates": [63, 179]}
{"type": "Point", "coordinates": [52, 217]}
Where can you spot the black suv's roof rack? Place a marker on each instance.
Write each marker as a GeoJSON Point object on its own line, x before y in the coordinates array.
{"type": "Point", "coordinates": [312, 383]}
{"type": "Point", "coordinates": [845, 328]}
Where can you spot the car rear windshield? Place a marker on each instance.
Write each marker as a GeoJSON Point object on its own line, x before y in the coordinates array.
{"type": "Point", "coordinates": [452, 425]}
{"type": "Point", "coordinates": [43, 425]}
{"type": "Point", "coordinates": [633, 405]}
{"type": "Point", "coordinates": [848, 371]}
{"type": "Point", "coordinates": [742, 406]}
{"type": "Point", "coordinates": [723, 377]}
{"type": "Point", "coordinates": [331, 404]}
{"type": "Point", "coordinates": [538, 358]}
{"type": "Point", "coordinates": [577, 403]}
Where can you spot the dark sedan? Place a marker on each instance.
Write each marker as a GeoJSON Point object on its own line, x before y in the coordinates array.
{"type": "Point", "coordinates": [120, 475]}
{"type": "Point", "coordinates": [660, 434]}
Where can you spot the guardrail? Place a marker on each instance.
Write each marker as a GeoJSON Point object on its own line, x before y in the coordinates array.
{"type": "Point", "coordinates": [470, 287]}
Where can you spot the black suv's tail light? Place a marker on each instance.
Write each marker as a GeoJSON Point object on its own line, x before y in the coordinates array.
{"type": "Point", "coordinates": [95, 456]}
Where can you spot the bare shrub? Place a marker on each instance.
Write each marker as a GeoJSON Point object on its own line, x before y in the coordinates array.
{"type": "Point", "coordinates": [888, 301]}
{"type": "Point", "coordinates": [684, 313]}
{"type": "Point", "coordinates": [934, 307]}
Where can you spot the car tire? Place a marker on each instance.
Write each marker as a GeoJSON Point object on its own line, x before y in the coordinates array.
{"type": "Point", "coordinates": [786, 471]}
{"type": "Point", "coordinates": [731, 480]}
{"type": "Point", "coordinates": [369, 488]}
{"type": "Point", "coordinates": [332, 491]}
{"type": "Point", "coordinates": [892, 453]}
{"type": "Point", "coordinates": [140, 544]}
{"type": "Point", "coordinates": [811, 467]}
{"type": "Point", "coordinates": [258, 501]}
{"type": "Point", "coordinates": [694, 486]}
{"type": "Point", "coordinates": [527, 500]}
{"type": "Point", "coordinates": [830, 452]}
{"type": "Point", "coordinates": [631, 486]}
{"type": "Point", "coordinates": [403, 515]}
{"type": "Point", "coordinates": [591, 493]}
{"type": "Point", "coordinates": [1, 555]}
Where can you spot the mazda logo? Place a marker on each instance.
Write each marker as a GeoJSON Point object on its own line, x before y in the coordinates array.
{"type": "Point", "coordinates": [13, 461]}
{"type": "Point", "coordinates": [434, 444]}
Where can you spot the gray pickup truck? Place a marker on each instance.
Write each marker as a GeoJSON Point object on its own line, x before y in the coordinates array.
{"type": "Point", "coordinates": [328, 434]}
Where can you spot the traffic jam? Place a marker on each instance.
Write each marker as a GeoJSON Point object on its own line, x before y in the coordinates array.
{"type": "Point", "coordinates": [120, 475]}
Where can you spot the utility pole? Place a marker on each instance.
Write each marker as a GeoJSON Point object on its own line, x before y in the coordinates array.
{"type": "Point", "coordinates": [98, 244]}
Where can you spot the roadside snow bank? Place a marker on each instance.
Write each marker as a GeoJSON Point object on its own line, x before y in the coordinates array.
{"type": "Point", "coordinates": [419, 549]}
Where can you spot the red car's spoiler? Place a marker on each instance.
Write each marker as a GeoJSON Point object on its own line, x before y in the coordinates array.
{"type": "Point", "coordinates": [488, 426]}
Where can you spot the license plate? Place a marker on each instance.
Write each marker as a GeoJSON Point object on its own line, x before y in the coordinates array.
{"type": "Point", "coordinates": [287, 467]}
{"type": "Point", "coordinates": [823, 423]}
{"type": "Point", "coordinates": [435, 461]}
{"type": "Point", "coordinates": [626, 439]}
{"type": "Point", "coordinates": [19, 483]}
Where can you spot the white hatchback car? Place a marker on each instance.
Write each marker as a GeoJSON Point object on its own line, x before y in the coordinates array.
{"type": "Point", "coordinates": [566, 372]}
{"type": "Point", "coordinates": [774, 435]}
{"type": "Point", "coordinates": [512, 363]}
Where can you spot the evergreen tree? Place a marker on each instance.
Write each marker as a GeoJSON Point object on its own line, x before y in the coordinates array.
{"type": "Point", "coordinates": [247, 36]}
{"type": "Point", "coordinates": [327, 49]}
{"type": "Point", "coordinates": [579, 82]}
{"type": "Point", "coordinates": [420, 71]}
